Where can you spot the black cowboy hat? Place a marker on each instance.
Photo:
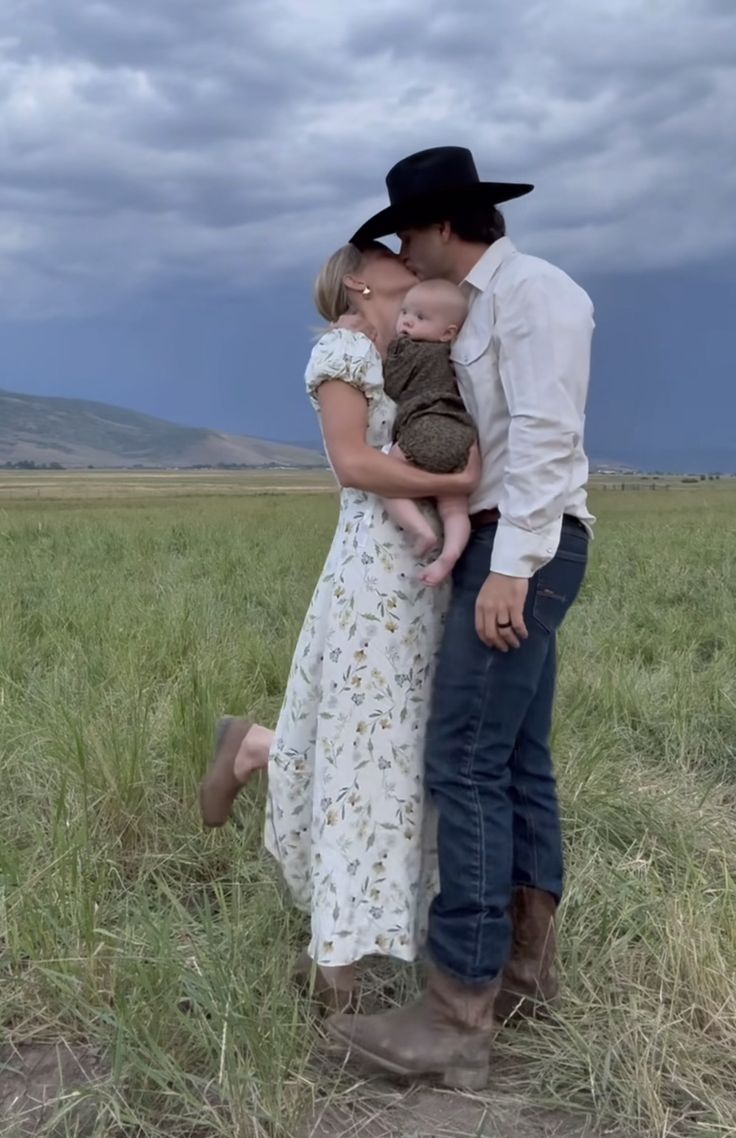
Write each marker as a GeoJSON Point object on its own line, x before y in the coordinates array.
{"type": "Point", "coordinates": [439, 179]}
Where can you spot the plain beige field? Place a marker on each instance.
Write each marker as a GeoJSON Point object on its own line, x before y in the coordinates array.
{"type": "Point", "coordinates": [137, 607]}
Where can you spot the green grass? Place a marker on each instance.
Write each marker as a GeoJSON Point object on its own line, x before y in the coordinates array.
{"type": "Point", "coordinates": [125, 628]}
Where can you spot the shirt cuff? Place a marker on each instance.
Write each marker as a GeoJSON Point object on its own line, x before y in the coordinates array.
{"type": "Point", "coordinates": [521, 552]}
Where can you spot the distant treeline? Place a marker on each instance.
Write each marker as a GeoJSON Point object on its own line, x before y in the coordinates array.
{"type": "Point", "coordinates": [29, 464]}
{"type": "Point", "coordinates": [651, 481]}
{"type": "Point", "coordinates": [251, 466]}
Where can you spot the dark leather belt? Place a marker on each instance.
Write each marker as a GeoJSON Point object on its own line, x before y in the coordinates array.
{"type": "Point", "coordinates": [484, 518]}
{"type": "Point", "coordinates": [491, 517]}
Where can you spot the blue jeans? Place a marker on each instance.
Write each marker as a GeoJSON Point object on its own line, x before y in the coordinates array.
{"type": "Point", "coordinates": [488, 761]}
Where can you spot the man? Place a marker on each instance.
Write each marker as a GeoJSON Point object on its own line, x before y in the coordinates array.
{"type": "Point", "coordinates": [522, 361]}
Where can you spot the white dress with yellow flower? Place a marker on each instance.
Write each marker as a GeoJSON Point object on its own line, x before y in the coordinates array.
{"type": "Point", "coordinates": [347, 816]}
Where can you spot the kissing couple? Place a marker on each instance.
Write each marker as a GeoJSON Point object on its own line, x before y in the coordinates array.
{"type": "Point", "coordinates": [411, 801]}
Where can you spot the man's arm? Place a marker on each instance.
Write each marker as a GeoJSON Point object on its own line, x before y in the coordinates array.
{"type": "Point", "coordinates": [344, 414]}
{"type": "Point", "coordinates": [544, 328]}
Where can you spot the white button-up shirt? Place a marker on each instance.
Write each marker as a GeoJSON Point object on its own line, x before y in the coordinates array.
{"type": "Point", "coordinates": [522, 360]}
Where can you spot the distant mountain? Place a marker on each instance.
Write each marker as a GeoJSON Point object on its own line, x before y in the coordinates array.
{"type": "Point", "coordinates": [603, 466]}
{"type": "Point", "coordinates": [78, 432]}
{"type": "Point", "coordinates": [309, 444]}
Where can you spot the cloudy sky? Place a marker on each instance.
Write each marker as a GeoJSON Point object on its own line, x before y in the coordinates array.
{"type": "Point", "coordinates": [173, 172]}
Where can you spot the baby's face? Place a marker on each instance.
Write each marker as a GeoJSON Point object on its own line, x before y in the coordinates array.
{"type": "Point", "coordinates": [424, 316]}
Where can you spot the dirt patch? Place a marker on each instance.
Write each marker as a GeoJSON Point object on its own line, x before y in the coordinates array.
{"type": "Point", "coordinates": [41, 1081]}
{"type": "Point", "coordinates": [385, 1112]}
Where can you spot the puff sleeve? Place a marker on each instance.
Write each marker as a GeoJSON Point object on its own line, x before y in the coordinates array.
{"type": "Point", "coordinates": [347, 356]}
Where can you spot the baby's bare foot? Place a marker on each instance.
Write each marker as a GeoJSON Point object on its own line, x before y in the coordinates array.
{"type": "Point", "coordinates": [438, 572]}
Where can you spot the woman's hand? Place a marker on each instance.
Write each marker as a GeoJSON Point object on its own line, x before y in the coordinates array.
{"type": "Point", "coordinates": [470, 477]}
{"type": "Point", "coordinates": [355, 323]}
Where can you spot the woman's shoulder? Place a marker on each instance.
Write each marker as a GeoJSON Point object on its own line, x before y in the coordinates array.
{"type": "Point", "coordinates": [344, 342]}
{"type": "Point", "coordinates": [343, 354]}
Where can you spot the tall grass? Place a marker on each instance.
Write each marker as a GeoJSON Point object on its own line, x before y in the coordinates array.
{"type": "Point", "coordinates": [124, 631]}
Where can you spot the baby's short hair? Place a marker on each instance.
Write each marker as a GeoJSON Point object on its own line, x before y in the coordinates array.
{"type": "Point", "coordinates": [450, 296]}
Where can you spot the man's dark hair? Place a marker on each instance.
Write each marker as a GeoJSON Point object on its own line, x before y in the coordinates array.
{"type": "Point", "coordinates": [481, 224]}
{"type": "Point", "coordinates": [477, 222]}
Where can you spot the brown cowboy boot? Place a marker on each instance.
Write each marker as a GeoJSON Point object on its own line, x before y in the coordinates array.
{"type": "Point", "coordinates": [332, 989]}
{"type": "Point", "coordinates": [219, 788]}
{"type": "Point", "coordinates": [447, 1032]}
{"type": "Point", "coordinates": [529, 984]}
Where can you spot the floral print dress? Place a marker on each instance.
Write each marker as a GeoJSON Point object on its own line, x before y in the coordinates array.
{"type": "Point", "coordinates": [347, 817]}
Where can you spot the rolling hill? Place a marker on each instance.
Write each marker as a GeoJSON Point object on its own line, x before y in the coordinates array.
{"type": "Point", "coordinates": [79, 433]}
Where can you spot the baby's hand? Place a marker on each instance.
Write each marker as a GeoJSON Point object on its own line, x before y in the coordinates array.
{"type": "Point", "coordinates": [355, 323]}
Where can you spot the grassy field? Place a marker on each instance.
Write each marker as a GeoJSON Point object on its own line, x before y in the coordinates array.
{"type": "Point", "coordinates": [137, 608]}
{"type": "Point", "coordinates": [135, 486]}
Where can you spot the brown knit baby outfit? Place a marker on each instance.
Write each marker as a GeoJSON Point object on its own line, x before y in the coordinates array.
{"type": "Point", "coordinates": [432, 427]}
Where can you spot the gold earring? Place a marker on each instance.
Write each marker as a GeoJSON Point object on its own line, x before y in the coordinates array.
{"type": "Point", "coordinates": [366, 291]}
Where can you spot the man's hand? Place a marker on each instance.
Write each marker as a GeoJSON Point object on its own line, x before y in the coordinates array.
{"type": "Point", "coordinates": [499, 612]}
{"type": "Point", "coordinates": [355, 323]}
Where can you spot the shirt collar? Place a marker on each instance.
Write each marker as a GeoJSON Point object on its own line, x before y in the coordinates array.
{"type": "Point", "coordinates": [486, 267]}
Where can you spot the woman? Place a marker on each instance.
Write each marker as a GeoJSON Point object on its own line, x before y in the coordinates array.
{"type": "Point", "coordinates": [346, 815]}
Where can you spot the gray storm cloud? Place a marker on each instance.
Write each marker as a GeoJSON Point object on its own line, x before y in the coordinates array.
{"type": "Point", "coordinates": [146, 142]}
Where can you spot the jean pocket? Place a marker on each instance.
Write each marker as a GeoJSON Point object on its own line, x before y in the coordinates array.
{"type": "Point", "coordinates": [556, 587]}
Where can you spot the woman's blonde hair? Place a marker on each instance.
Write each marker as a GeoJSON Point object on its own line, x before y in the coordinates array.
{"type": "Point", "coordinates": [331, 296]}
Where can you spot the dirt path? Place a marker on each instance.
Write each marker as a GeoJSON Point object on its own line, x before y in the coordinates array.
{"type": "Point", "coordinates": [36, 1080]}
{"type": "Point", "coordinates": [40, 1081]}
{"type": "Point", "coordinates": [381, 1111]}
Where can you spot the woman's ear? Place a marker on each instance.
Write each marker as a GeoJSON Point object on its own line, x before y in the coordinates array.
{"type": "Point", "coordinates": [352, 283]}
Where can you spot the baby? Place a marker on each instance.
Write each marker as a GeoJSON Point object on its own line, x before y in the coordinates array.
{"type": "Point", "coordinates": [432, 429]}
